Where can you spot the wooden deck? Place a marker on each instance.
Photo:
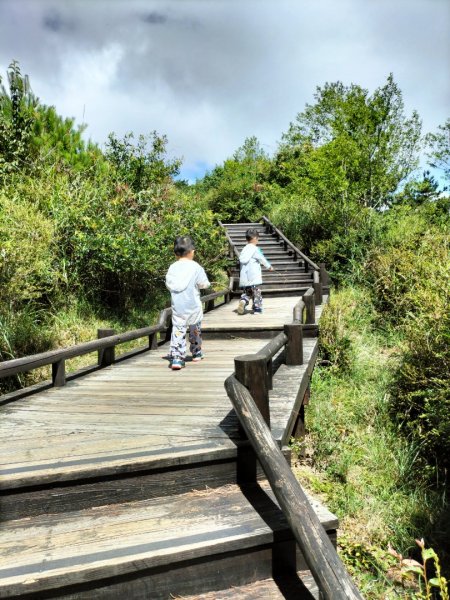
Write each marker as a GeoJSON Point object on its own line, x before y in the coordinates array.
{"type": "Point", "coordinates": [139, 413]}
{"type": "Point", "coordinates": [277, 312]}
{"type": "Point", "coordinates": [125, 478]}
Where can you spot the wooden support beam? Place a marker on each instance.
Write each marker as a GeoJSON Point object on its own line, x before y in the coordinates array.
{"type": "Point", "coordinates": [153, 341]}
{"type": "Point", "coordinates": [317, 285]}
{"type": "Point", "coordinates": [324, 276]}
{"type": "Point", "coordinates": [294, 346]}
{"type": "Point", "coordinates": [310, 303]}
{"type": "Point", "coordinates": [59, 373]}
{"type": "Point", "coordinates": [251, 371]}
{"type": "Point", "coordinates": [106, 356]}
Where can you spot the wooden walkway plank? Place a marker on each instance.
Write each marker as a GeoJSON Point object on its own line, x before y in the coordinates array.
{"type": "Point", "coordinates": [115, 539]}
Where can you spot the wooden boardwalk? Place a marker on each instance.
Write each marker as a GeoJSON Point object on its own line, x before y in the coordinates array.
{"type": "Point", "coordinates": [139, 413]}
{"type": "Point", "coordinates": [127, 478]}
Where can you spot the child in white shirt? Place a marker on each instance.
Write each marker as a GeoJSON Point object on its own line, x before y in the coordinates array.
{"type": "Point", "coordinates": [251, 259]}
{"type": "Point", "coordinates": [184, 279]}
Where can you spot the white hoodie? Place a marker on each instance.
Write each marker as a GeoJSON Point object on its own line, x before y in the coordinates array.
{"type": "Point", "coordinates": [251, 259]}
{"type": "Point", "coordinates": [185, 278]}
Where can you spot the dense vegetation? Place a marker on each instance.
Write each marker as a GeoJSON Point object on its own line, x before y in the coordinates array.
{"type": "Point", "coordinates": [85, 239]}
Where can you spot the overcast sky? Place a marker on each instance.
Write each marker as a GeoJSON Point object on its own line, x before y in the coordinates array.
{"type": "Point", "coordinates": [209, 73]}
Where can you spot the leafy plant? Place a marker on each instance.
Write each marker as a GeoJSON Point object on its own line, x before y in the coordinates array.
{"type": "Point", "coordinates": [420, 570]}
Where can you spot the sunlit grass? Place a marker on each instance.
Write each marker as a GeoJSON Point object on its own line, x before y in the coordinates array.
{"type": "Point", "coordinates": [356, 460]}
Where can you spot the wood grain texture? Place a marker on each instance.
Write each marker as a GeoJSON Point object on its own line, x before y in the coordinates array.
{"type": "Point", "coordinates": [125, 417]}
{"type": "Point", "coordinates": [115, 541]}
{"type": "Point", "coordinates": [128, 415]}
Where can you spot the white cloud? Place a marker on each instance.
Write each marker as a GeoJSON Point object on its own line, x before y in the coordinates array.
{"type": "Point", "coordinates": [210, 73]}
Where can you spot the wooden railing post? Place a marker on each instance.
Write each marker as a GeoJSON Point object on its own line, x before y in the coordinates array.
{"type": "Point", "coordinates": [324, 276]}
{"type": "Point", "coordinates": [297, 313]}
{"type": "Point", "coordinates": [310, 303]}
{"type": "Point", "coordinates": [294, 345]}
{"type": "Point", "coordinates": [317, 284]}
{"type": "Point", "coordinates": [59, 373]}
{"type": "Point", "coordinates": [153, 341]}
{"type": "Point", "coordinates": [251, 371]}
{"type": "Point", "coordinates": [106, 356]}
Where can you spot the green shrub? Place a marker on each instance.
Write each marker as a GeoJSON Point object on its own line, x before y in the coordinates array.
{"type": "Point", "coordinates": [409, 278]}
{"type": "Point", "coordinates": [335, 346]}
{"type": "Point", "coordinates": [421, 388]}
{"type": "Point", "coordinates": [27, 267]}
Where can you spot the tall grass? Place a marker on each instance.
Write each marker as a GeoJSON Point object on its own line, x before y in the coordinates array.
{"type": "Point", "coordinates": [367, 473]}
{"type": "Point", "coordinates": [32, 329]}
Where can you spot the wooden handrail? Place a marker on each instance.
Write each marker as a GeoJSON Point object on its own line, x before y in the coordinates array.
{"type": "Point", "coordinates": [230, 241]}
{"type": "Point", "coordinates": [310, 303]}
{"type": "Point", "coordinates": [328, 571]}
{"type": "Point", "coordinates": [290, 244]}
{"type": "Point", "coordinates": [275, 344]}
{"type": "Point", "coordinates": [298, 311]}
{"type": "Point", "coordinates": [28, 363]}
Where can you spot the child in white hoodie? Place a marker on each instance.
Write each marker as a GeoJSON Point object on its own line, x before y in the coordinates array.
{"type": "Point", "coordinates": [185, 278]}
{"type": "Point", "coordinates": [251, 259]}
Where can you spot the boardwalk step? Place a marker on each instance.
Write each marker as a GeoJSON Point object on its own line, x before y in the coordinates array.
{"type": "Point", "coordinates": [300, 586]}
{"type": "Point", "coordinates": [188, 544]}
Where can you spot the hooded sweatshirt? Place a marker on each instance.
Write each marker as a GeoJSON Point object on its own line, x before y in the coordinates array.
{"type": "Point", "coordinates": [251, 259]}
{"type": "Point", "coordinates": [185, 278]}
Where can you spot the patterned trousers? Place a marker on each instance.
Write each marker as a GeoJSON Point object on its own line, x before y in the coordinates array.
{"type": "Point", "coordinates": [253, 292]}
{"type": "Point", "coordinates": [178, 340]}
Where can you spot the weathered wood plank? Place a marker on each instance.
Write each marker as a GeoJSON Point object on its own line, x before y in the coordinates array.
{"type": "Point", "coordinates": [114, 541]}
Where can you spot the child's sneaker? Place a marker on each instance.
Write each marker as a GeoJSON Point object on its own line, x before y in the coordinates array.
{"type": "Point", "coordinates": [198, 357]}
{"type": "Point", "coordinates": [177, 364]}
{"type": "Point", "coordinates": [257, 311]}
{"type": "Point", "coordinates": [241, 307]}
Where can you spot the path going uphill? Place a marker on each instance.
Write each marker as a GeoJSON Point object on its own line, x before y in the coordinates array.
{"type": "Point", "coordinates": [129, 480]}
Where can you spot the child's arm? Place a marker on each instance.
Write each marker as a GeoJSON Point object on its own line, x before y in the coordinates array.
{"type": "Point", "coordinates": [202, 281]}
{"type": "Point", "coordinates": [263, 260]}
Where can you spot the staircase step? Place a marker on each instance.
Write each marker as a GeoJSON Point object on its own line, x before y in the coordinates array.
{"type": "Point", "coordinates": [247, 225]}
{"type": "Point", "coordinates": [284, 266]}
{"type": "Point", "coordinates": [186, 544]}
{"type": "Point", "coordinates": [264, 241]}
{"type": "Point", "coordinates": [300, 586]}
{"type": "Point", "coordinates": [131, 480]}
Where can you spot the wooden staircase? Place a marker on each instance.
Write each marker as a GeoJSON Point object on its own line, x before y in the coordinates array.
{"type": "Point", "coordinates": [103, 514]}
{"type": "Point", "coordinates": [292, 274]}
{"type": "Point", "coordinates": [179, 523]}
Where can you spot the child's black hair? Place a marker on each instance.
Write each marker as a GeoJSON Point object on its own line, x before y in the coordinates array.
{"type": "Point", "coordinates": [250, 234]}
{"type": "Point", "coordinates": [183, 245]}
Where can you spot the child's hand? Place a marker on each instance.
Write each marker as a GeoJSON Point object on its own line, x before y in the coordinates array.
{"type": "Point", "coordinates": [271, 269]}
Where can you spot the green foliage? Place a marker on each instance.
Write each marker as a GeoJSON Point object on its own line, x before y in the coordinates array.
{"type": "Point", "coordinates": [334, 345]}
{"type": "Point", "coordinates": [409, 278]}
{"type": "Point", "coordinates": [144, 165]}
{"type": "Point", "coordinates": [439, 149]}
{"type": "Point", "coordinates": [421, 387]}
{"type": "Point", "coordinates": [340, 162]}
{"type": "Point", "coordinates": [371, 477]}
{"type": "Point", "coordinates": [236, 191]}
{"type": "Point", "coordinates": [17, 109]}
{"type": "Point", "coordinates": [27, 268]}
{"type": "Point", "coordinates": [77, 223]}
{"type": "Point", "coordinates": [427, 586]}
{"type": "Point", "coordinates": [367, 141]}
{"type": "Point", "coordinates": [418, 192]}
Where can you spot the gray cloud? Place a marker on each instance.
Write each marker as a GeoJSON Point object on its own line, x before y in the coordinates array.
{"type": "Point", "coordinates": [210, 73]}
{"type": "Point", "coordinates": [154, 18]}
